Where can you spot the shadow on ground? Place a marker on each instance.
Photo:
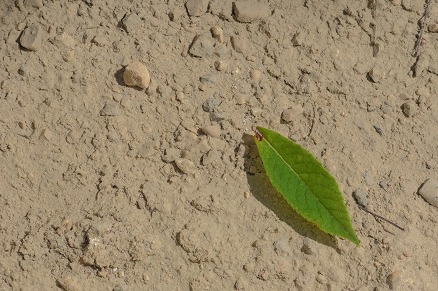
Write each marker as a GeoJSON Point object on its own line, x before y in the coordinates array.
{"type": "Point", "coordinates": [264, 192]}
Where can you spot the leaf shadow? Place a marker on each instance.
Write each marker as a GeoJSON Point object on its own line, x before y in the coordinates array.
{"type": "Point", "coordinates": [262, 189]}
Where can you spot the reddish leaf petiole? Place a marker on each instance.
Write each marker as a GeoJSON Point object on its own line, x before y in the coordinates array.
{"type": "Point", "coordinates": [258, 135]}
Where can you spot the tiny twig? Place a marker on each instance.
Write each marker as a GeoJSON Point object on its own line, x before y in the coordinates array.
{"type": "Point", "coordinates": [422, 23]}
{"type": "Point", "coordinates": [380, 217]}
{"type": "Point", "coordinates": [312, 124]}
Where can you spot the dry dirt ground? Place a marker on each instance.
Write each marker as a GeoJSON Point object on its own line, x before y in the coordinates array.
{"type": "Point", "coordinates": [110, 187]}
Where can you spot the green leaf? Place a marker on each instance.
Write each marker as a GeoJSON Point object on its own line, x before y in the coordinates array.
{"type": "Point", "coordinates": [305, 184]}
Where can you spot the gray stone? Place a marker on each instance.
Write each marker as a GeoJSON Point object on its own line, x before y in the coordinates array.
{"type": "Point", "coordinates": [32, 37]}
{"type": "Point", "coordinates": [429, 191]}
{"type": "Point", "coordinates": [211, 104]}
{"type": "Point", "coordinates": [250, 11]}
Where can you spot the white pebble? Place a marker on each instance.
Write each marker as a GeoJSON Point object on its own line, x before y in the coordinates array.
{"type": "Point", "coordinates": [429, 191]}
{"type": "Point", "coordinates": [136, 75]}
{"type": "Point", "coordinates": [217, 33]}
{"type": "Point", "coordinates": [220, 65]}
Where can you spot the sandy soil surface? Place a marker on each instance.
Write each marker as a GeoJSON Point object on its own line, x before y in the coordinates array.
{"type": "Point", "coordinates": [105, 186]}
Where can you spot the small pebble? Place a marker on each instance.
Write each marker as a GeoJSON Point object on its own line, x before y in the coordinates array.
{"type": "Point", "coordinates": [307, 249]}
{"type": "Point", "coordinates": [146, 150]}
{"type": "Point", "coordinates": [131, 23]}
{"type": "Point", "coordinates": [212, 130]}
{"type": "Point", "coordinates": [110, 109]}
{"type": "Point", "coordinates": [298, 39]}
{"type": "Point", "coordinates": [197, 7]}
{"type": "Point", "coordinates": [433, 28]}
{"type": "Point", "coordinates": [282, 247]}
{"type": "Point", "coordinates": [69, 283]}
{"type": "Point", "coordinates": [211, 104]}
{"type": "Point", "coordinates": [68, 55]}
{"type": "Point", "coordinates": [220, 65]}
{"type": "Point", "coordinates": [250, 11]}
{"type": "Point", "coordinates": [378, 129]}
{"type": "Point", "coordinates": [429, 191]}
{"type": "Point", "coordinates": [377, 74]}
{"type": "Point", "coordinates": [34, 3]}
{"type": "Point", "coordinates": [209, 78]}
{"type": "Point", "coordinates": [407, 4]}
{"type": "Point", "coordinates": [385, 184]}
{"type": "Point", "coordinates": [32, 37]}
{"type": "Point", "coordinates": [291, 114]}
{"type": "Point", "coordinates": [202, 46]}
{"type": "Point", "coordinates": [423, 91]}
{"type": "Point", "coordinates": [393, 280]}
{"type": "Point", "coordinates": [136, 75]}
{"type": "Point", "coordinates": [204, 146]}
{"type": "Point", "coordinates": [170, 155]}
{"type": "Point", "coordinates": [186, 166]}
{"type": "Point", "coordinates": [422, 64]}
{"type": "Point", "coordinates": [408, 108]}
{"type": "Point", "coordinates": [46, 135]}
{"type": "Point", "coordinates": [66, 39]}
{"type": "Point", "coordinates": [361, 198]}
{"type": "Point", "coordinates": [23, 70]}
{"type": "Point", "coordinates": [217, 33]}
{"type": "Point", "coordinates": [256, 75]}
{"type": "Point", "coordinates": [239, 44]}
